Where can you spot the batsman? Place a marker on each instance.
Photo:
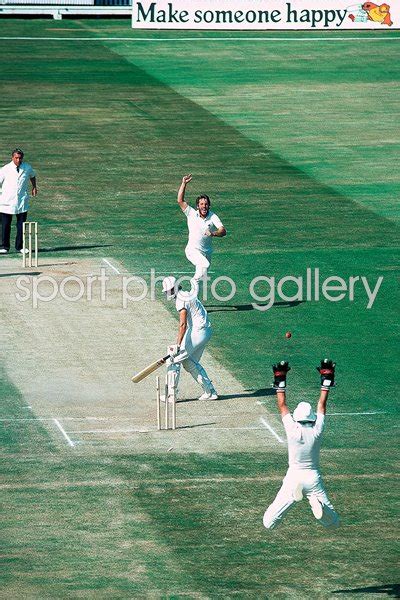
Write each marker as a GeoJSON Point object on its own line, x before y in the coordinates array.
{"type": "Point", "coordinates": [193, 335]}
{"type": "Point", "coordinates": [304, 431]}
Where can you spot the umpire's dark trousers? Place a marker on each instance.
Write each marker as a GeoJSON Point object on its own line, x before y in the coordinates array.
{"type": "Point", "coordinates": [6, 230]}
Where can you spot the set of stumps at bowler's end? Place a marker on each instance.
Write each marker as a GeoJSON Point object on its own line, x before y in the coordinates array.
{"type": "Point", "coordinates": [30, 244]}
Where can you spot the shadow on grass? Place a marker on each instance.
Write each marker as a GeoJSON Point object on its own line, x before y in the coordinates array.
{"type": "Point", "coordinates": [195, 426]}
{"type": "Point", "coordinates": [31, 273]}
{"type": "Point", "coordinates": [251, 394]}
{"type": "Point", "coordinates": [247, 394]}
{"type": "Point", "coordinates": [390, 589]}
{"type": "Point", "coordinates": [65, 248]}
{"type": "Point", "coordinates": [245, 307]}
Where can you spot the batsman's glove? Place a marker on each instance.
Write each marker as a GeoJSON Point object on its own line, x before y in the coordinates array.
{"type": "Point", "coordinates": [174, 350]}
{"type": "Point", "coordinates": [327, 372]}
{"type": "Point", "coordinates": [280, 371]}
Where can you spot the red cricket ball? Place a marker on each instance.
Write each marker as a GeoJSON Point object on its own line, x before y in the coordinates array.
{"type": "Point", "coordinates": [288, 334]}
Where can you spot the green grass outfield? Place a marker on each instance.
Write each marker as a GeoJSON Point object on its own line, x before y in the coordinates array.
{"type": "Point", "coordinates": [297, 143]}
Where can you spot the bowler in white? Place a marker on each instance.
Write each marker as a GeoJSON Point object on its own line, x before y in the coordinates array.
{"type": "Point", "coordinates": [203, 225]}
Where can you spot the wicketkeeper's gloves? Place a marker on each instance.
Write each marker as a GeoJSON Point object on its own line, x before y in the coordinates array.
{"type": "Point", "coordinates": [280, 371]}
{"type": "Point", "coordinates": [327, 371]}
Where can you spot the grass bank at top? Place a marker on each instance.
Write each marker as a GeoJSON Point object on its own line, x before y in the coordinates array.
{"type": "Point", "coordinates": [314, 103]}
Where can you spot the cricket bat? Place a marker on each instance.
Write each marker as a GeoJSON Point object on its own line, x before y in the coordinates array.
{"type": "Point", "coordinates": [150, 369]}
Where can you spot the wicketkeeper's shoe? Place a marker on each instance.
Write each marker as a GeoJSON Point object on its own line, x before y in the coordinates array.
{"type": "Point", "coordinates": [24, 251]}
{"type": "Point", "coordinates": [209, 396]}
{"type": "Point", "coordinates": [3, 251]}
{"type": "Point", "coordinates": [298, 492]}
{"type": "Point", "coordinates": [316, 507]}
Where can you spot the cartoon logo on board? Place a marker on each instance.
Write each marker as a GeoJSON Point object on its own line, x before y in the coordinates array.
{"type": "Point", "coordinates": [371, 12]}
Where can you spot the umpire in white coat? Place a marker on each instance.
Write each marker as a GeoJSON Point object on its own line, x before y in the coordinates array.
{"type": "Point", "coordinates": [14, 197]}
{"type": "Point", "coordinates": [304, 432]}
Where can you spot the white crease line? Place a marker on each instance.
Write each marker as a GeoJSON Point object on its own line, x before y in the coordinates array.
{"type": "Point", "coordinates": [175, 481]}
{"type": "Point", "coordinates": [107, 431]}
{"type": "Point", "coordinates": [112, 266]}
{"type": "Point", "coordinates": [340, 414]}
{"type": "Point", "coordinates": [264, 422]}
{"type": "Point", "coordinates": [147, 272]}
{"type": "Point", "coordinates": [12, 419]}
{"type": "Point", "coordinates": [355, 414]}
{"type": "Point", "coordinates": [158, 273]}
{"type": "Point", "coordinates": [60, 427]}
{"type": "Point", "coordinates": [201, 39]}
{"type": "Point", "coordinates": [116, 418]}
{"type": "Point", "coordinates": [202, 425]}
{"type": "Point", "coordinates": [161, 273]}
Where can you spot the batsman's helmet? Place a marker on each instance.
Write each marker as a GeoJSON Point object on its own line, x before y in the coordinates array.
{"type": "Point", "coordinates": [168, 283]}
{"type": "Point", "coordinates": [303, 413]}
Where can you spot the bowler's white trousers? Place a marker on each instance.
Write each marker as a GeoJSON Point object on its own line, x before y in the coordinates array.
{"type": "Point", "coordinates": [192, 349]}
{"type": "Point", "coordinates": [312, 484]}
{"type": "Point", "coordinates": [201, 260]}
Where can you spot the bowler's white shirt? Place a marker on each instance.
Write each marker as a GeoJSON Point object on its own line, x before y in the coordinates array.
{"type": "Point", "coordinates": [304, 442]}
{"type": "Point", "coordinates": [197, 317]}
{"type": "Point", "coordinates": [197, 227]}
{"type": "Point", "coordinates": [14, 197]}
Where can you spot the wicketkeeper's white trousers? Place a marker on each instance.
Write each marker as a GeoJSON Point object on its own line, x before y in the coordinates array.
{"type": "Point", "coordinates": [200, 260]}
{"type": "Point", "coordinates": [312, 484]}
{"type": "Point", "coordinates": [192, 349]}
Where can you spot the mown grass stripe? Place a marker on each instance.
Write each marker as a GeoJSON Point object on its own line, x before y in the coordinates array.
{"type": "Point", "coordinates": [200, 39]}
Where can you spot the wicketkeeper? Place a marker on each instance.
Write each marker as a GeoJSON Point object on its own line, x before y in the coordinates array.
{"type": "Point", "coordinates": [304, 432]}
